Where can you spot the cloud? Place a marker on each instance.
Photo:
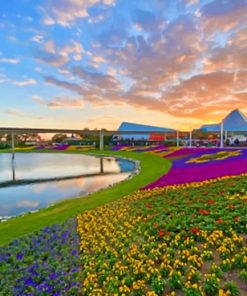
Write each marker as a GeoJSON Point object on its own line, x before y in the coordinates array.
{"type": "Point", "coordinates": [49, 47]}
{"type": "Point", "coordinates": [66, 12]}
{"type": "Point", "coordinates": [56, 56]}
{"type": "Point", "coordinates": [38, 38]}
{"type": "Point", "coordinates": [38, 100]}
{"type": "Point", "coordinates": [231, 57]}
{"type": "Point", "coordinates": [27, 203]}
{"type": "Point", "coordinates": [204, 93]}
{"type": "Point", "coordinates": [221, 15]}
{"type": "Point", "coordinates": [66, 102]}
{"type": "Point", "coordinates": [96, 79]}
{"type": "Point", "coordinates": [26, 82]}
{"type": "Point", "coordinates": [18, 113]}
{"type": "Point", "coordinates": [9, 61]}
{"type": "Point", "coordinates": [63, 84]}
{"type": "Point", "coordinates": [59, 102]}
{"type": "Point", "coordinates": [191, 2]}
{"type": "Point", "coordinates": [186, 60]}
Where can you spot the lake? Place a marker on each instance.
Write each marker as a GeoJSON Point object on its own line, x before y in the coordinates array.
{"type": "Point", "coordinates": [36, 180]}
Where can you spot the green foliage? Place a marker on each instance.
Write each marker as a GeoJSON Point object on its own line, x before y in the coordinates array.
{"type": "Point", "coordinates": [211, 286]}
{"type": "Point", "coordinates": [243, 275]}
{"type": "Point", "coordinates": [232, 288]}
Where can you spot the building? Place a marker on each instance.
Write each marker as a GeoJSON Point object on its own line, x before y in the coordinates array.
{"type": "Point", "coordinates": [151, 137]}
{"type": "Point", "coordinates": [235, 121]}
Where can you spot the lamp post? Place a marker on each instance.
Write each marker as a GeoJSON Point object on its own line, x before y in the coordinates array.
{"type": "Point", "coordinates": [177, 138]}
{"type": "Point", "coordinates": [13, 145]}
{"type": "Point", "coordinates": [101, 140]}
{"type": "Point", "coordinates": [222, 134]}
{"type": "Point", "coordinates": [190, 140]}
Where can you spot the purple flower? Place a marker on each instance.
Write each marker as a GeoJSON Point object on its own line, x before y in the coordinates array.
{"type": "Point", "coordinates": [183, 172]}
{"type": "Point", "coordinates": [46, 259]}
{"type": "Point", "coordinates": [53, 276]}
{"type": "Point", "coordinates": [74, 252]}
{"type": "Point", "coordinates": [19, 256]}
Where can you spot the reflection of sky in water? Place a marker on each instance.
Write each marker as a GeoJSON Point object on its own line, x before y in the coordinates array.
{"type": "Point", "coordinates": [38, 166]}
{"type": "Point", "coordinates": [19, 199]}
{"type": "Point", "coordinates": [15, 200]}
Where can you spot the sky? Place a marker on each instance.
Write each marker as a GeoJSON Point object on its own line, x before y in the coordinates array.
{"type": "Point", "coordinates": [96, 63]}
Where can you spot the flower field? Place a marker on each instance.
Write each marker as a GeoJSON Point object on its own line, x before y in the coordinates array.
{"type": "Point", "coordinates": [186, 240]}
{"type": "Point", "coordinates": [195, 164]}
{"type": "Point", "coordinates": [44, 263]}
{"type": "Point", "coordinates": [184, 234]}
{"type": "Point", "coordinates": [62, 147]}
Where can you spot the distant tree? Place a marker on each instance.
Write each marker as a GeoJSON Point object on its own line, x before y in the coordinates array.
{"type": "Point", "coordinates": [2, 136]}
{"type": "Point", "coordinates": [200, 134]}
{"type": "Point", "coordinates": [58, 138]}
{"type": "Point", "coordinates": [21, 139]}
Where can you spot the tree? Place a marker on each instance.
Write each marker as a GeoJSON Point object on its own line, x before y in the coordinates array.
{"type": "Point", "coordinates": [58, 138]}
{"type": "Point", "coordinates": [2, 136]}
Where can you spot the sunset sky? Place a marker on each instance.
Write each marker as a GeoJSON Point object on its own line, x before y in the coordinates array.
{"type": "Point", "coordinates": [96, 63]}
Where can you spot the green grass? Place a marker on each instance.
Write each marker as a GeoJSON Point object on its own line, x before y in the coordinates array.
{"type": "Point", "coordinates": [152, 167]}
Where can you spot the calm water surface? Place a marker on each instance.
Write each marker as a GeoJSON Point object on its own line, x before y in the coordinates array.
{"type": "Point", "coordinates": [27, 184]}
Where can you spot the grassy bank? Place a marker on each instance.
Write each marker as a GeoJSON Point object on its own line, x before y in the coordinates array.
{"type": "Point", "coordinates": [152, 167]}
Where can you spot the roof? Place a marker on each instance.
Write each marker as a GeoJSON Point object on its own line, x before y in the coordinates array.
{"type": "Point", "coordinates": [234, 121]}
{"type": "Point", "coordinates": [129, 126]}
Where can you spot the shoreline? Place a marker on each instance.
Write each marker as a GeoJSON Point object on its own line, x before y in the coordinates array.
{"type": "Point", "coordinates": [130, 175]}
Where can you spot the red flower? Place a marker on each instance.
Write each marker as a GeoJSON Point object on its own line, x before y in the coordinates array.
{"type": "Point", "coordinates": [156, 225]}
{"type": "Point", "coordinates": [219, 220]}
{"type": "Point", "coordinates": [161, 233]}
{"type": "Point", "coordinates": [230, 207]}
{"type": "Point", "coordinates": [236, 219]}
{"type": "Point", "coordinates": [149, 206]}
{"type": "Point", "coordinates": [204, 212]}
{"type": "Point", "coordinates": [210, 202]}
{"type": "Point", "coordinates": [144, 220]}
{"type": "Point", "coordinates": [195, 230]}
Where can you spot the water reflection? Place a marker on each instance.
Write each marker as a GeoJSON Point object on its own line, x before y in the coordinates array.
{"type": "Point", "coordinates": [40, 190]}
{"type": "Point", "coordinates": [101, 162]}
{"type": "Point", "coordinates": [44, 166]}
{"type": "Point", "coordinates": [16, 200]}
{"type": "Point", "coordinates": [13, 169]}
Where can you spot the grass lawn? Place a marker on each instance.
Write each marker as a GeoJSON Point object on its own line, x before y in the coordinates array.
{"type": "Point", "coordinates": [152, 167]}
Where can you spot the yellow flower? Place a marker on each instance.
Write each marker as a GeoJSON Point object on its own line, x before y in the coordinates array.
{"type": "Point", "coordinates": [151, 293]}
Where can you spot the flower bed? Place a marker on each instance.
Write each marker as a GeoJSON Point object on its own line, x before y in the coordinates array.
{"type": "Point", "coordinates": [44, 263]}
{"type": "Point", "coordinates": [168, 240]}
{"type": "Point", "coordinates": [151, 148]}
{"type": "Point", "coordinates": [201, 164]}
{"type": "Point", "coordinates": [195, 164]}
{"type": "Point", "coordinates": [141, 246]}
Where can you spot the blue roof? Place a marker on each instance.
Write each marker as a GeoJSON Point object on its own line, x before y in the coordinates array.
{"type": "Point", "coordinates": [233, 122]}
{"type": "Point", "coordinates": [129, 126]}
